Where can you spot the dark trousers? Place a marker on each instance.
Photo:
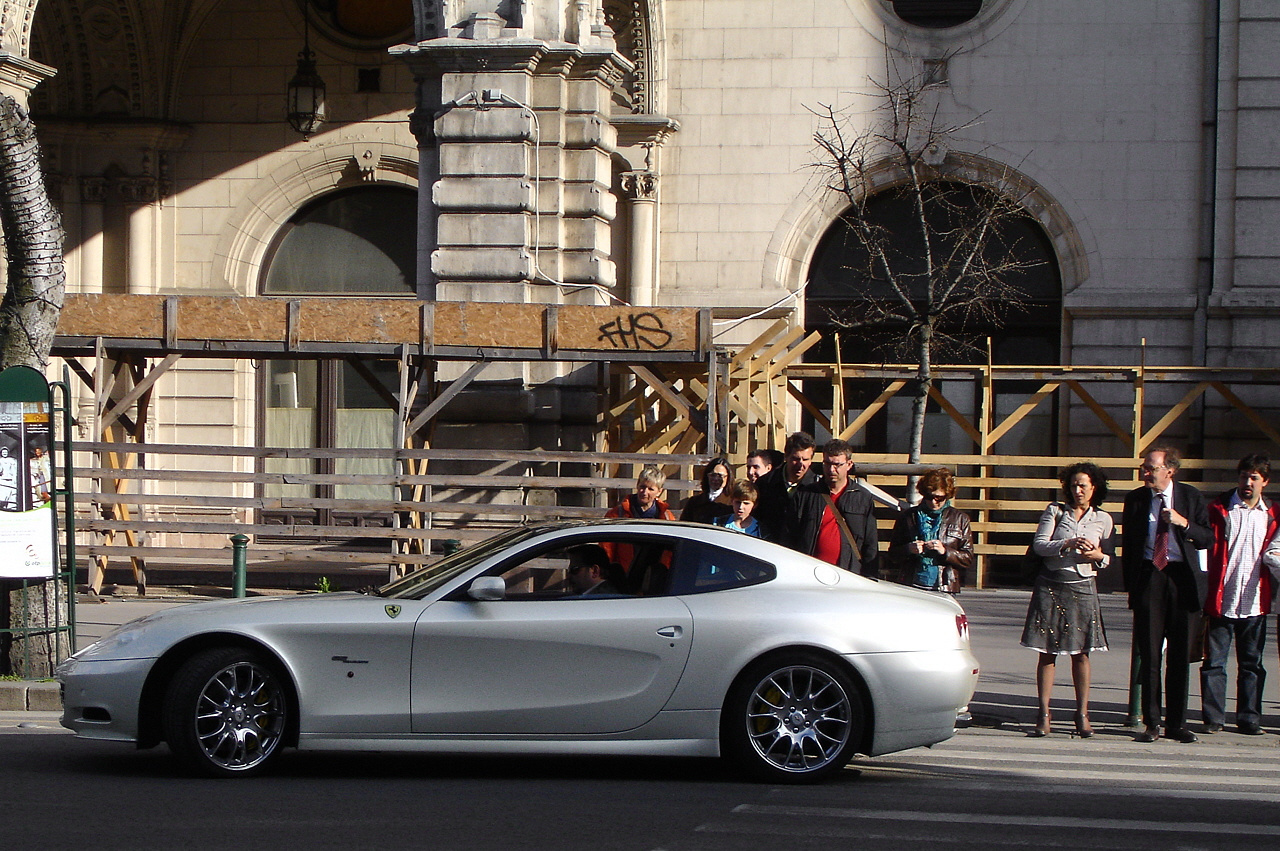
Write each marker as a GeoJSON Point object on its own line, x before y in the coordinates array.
{"type": "Point", "coordinates": [1160, 617]}
{"type": "Point", "coordinates": [1250, 635]}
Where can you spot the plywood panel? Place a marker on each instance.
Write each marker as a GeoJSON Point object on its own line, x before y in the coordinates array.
{"type": "Point", "coordinates": [648, 329]}
{"type": "Point", "coordinates": [112, 315]}
{"type": "Point", "coordinates": [213, 318]}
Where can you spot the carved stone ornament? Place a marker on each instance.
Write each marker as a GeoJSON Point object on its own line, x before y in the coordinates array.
{"type": "Point", "coordinates": [640, 185]}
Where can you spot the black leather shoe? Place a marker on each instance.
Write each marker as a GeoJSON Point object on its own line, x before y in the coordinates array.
{"type": "Point", "coordinates": [1247, 729]}
{"type": "Point", "coordinates": [1211, 728]}
{"type": "Point", "coordinates": [1147, 736]}
{"type": "Point", "coordinates": [1183, 735]}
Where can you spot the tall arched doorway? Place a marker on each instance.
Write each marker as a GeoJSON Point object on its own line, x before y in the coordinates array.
{"type": "Point", "coordinates": [844, 285]}
{"type": "Point", "coordinates": [352, 242]}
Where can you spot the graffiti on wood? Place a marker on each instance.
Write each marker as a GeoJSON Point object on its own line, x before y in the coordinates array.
{"type": "Point", "coordinates": [636, 331]}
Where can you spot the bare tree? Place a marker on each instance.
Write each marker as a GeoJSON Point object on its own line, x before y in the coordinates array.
{"type": "Point", "coordinates": [947, 271]}
{"type": "Point", "coordinates": [36, 280]}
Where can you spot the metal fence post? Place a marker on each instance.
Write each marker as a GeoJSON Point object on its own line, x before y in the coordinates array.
{"type": "Point", "coordinates": [239, 563]}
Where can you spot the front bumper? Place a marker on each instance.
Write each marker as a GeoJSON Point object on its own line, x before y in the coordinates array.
{"type": "Point", "coordinates": [100, 698]}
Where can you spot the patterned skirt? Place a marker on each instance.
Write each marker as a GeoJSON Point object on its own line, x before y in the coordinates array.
{"type": "Point", "coordinates": [1064, 618]}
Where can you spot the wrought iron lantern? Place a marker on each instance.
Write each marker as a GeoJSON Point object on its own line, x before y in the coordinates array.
{"type": "Point", "coordinates": [305, 99]}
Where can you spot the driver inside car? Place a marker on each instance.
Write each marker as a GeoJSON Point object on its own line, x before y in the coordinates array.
{"type": "Point", "coordinates": [588, 566]}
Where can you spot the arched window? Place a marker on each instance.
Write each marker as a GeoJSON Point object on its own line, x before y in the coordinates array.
{"type": "Point", "coordinates": [937, 14]}
{"type": "Point", "coordinates": [353, 241]}
{"type": "Point", "coordinates": [841, 278]}
{"type": "Point", "coordinates": [843, 286]}
{"type": "Point", "coordinates": [359, 241]}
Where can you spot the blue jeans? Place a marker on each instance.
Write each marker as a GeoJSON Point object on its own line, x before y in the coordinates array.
{"type": "Point", "coordinates": [1250, 636]}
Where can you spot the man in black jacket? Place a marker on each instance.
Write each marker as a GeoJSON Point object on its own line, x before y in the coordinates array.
{"type": "Point", "coordinates": [777, 487]}
{"type": "Point", "coordinates": [1165, 524]}
{"type": "Point", "coordinates": [832, 519]}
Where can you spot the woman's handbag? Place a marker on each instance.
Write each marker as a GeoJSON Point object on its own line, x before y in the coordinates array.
{"type": "Point", "coordinates": [1030, 565]}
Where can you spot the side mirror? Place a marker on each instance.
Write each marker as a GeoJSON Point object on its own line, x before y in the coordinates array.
{"type": "Point", "coordinates": [487, 588]}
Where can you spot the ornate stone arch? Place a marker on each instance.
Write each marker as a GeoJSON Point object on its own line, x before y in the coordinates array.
{"type": "Point", "coordinates": [242, 247]}
{"type": "Point", "coordinates": [809, 217]}
{"type": "Point", "coordinates": [636, 26]}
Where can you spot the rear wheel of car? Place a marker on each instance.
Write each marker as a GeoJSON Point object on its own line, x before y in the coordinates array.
{"type": "Point", "coordinates": [793, 718]}
{"type": "Point", "coordinates": [225, 712]}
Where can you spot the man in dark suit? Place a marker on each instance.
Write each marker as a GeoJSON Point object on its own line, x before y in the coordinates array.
{"type": "Point", "coordinates": [1165, 523]}
{"type": "Point", "coordinates": [777, 487]}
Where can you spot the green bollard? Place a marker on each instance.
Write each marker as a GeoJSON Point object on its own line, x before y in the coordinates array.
{"type": "Point", "coordinates": [239, 563]}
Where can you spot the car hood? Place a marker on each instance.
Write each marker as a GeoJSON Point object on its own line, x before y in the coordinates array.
{"type": "Point", "coordinates": [150, 635]}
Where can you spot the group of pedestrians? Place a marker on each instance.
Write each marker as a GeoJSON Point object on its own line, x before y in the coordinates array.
{"type": "Point", "coordinates": [1198, 576]}
{"type": "Point", "coordinates": [827, 515]}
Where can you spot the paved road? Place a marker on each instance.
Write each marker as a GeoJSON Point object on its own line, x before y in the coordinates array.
{"type": "Point", "coordinates": [989, 786]}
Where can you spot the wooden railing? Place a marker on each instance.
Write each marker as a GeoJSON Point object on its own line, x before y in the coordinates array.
{"type": "Point", "coordinates": [187, 500]}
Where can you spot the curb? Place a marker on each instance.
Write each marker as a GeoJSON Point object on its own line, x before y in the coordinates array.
{"type": "Point", "coordinates": [30, 696]}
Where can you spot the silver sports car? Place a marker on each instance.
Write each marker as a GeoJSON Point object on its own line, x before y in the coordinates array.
{"type": "Point", "coordinates": [625, 637]}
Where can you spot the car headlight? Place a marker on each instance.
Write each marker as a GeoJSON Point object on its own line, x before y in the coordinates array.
{"type": "Point", "coordinates": [116, 643]}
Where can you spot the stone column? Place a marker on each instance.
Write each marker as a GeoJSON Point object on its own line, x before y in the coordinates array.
{"type": "Point", "coordinates": [140, 195]}
{"type": "Point", "coordinates": [641, 189]}
{"type": "Point", "coordinates": [93, 195]}
{"type": "Point", "coordinates": [522, 196]}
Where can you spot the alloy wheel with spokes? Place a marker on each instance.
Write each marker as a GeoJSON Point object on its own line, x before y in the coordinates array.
{"type": "Point", "coordinates": [797, 719]}
{"type": "Point", "coordinates": [225, 712]}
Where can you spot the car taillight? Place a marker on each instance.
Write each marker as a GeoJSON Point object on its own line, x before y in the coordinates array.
{"type": "Point", "coordinates": [962, 626]}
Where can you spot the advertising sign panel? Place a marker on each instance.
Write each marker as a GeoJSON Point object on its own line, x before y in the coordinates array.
{"type": "Point", "coordinates": [26, 476]}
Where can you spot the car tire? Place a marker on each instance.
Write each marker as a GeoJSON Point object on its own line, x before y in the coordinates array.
{"type": "Point", "coordinates": [794, 717]}
{"type": "Point", "coordinates": [226, 712]}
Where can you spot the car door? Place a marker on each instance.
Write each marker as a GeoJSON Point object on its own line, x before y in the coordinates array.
{"type": "Point", "coordinates": [544, 663]}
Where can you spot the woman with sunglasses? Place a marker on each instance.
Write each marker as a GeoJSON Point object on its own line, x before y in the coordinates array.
{"type": "Point", "coordinates": [932, 543]}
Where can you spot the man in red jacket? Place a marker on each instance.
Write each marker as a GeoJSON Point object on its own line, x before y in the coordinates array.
{"type": "Point", "coordinates": [1239, 597]}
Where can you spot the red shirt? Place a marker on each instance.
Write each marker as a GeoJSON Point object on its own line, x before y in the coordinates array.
{"type": "Point", "coordinates": [827, 547]}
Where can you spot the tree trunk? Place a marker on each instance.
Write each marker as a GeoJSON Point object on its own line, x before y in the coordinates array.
{"type": "Point", "coordinates": [28, 321]}
{"type": "Point", "coordinates": [919, 404]}
{"type": "Point", "coordinates": [32, 243]}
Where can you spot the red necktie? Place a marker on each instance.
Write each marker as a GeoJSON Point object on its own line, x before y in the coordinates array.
{"type": "Point", "coordinates": [1160, 548]}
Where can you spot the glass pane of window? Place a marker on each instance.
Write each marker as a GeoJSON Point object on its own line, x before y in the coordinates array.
{"type": "Point", "coordinates": [357, 241]}
{"type": "Point", "coordinates": [364, 420]}
{"type": "Point", "coordinates": [290, 421]}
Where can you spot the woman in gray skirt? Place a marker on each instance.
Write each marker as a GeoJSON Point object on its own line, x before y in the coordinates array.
{"type": "Point", "coordinates": [1073, 541]}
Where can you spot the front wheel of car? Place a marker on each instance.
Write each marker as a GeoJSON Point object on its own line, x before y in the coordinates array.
{"type": "Point", "coordinates": [793, 718]}
{"type": "Point", "coordinates": [225, 712]}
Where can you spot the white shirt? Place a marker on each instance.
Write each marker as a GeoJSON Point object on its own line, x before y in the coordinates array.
{"type": "Point", "coordinates": [1242, 577]}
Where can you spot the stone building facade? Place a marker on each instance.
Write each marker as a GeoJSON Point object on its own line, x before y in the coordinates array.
{"type": "Point", "coordinates": [648, 151]}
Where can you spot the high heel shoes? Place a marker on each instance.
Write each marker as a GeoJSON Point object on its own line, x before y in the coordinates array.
{"type": "Point", "coordinates": [1083, 728]}
{"type": "Point", "coordinates": [1041, 729]}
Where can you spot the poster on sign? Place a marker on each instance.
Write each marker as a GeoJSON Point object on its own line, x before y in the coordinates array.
{"type": "Point", "coordinates": [26, 482]}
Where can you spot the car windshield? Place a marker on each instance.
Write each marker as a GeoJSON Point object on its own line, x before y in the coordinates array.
{"type": "Point", "coordinates": [424, 581]}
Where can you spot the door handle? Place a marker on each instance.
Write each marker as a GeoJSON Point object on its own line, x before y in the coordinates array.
{"type": "Point", "coordinates": [671, 631]}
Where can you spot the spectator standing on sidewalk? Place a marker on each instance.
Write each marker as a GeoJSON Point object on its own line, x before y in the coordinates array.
{"type": "Point", "coordinates": [1165, 523]}
{"type": "Point", "coordinates": [779, 485]}
{"type": "Point", "coordinates": [832, 519]}
{"type": "Point", "coordinates": [759, 465]}
{"type": "Point", "coordinates": [713, 502]}
{"type": "Point", "coordinates": [1064, 618]}
{"type": "Point", "coordinates": [933, 542]}
{"type": "Point", "coordinates": [1239, 598]}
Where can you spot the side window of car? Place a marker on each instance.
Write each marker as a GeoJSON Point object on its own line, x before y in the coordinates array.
{"type": "Point", "coordinates": [700, 567]}
{"type": "Point", "coordinates": [542, 577]}
{"type": "Point", "coordinates": [599, 567]}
